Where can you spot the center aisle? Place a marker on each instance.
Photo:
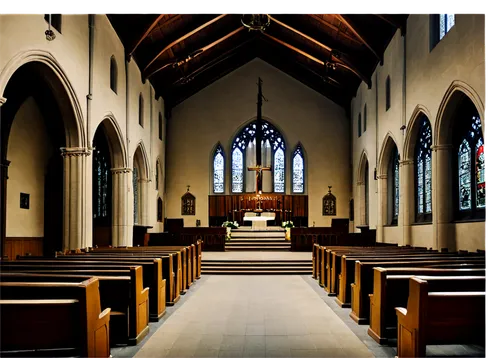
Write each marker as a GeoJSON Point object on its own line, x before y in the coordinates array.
{"type": "Point", "coordinates": [254, 316]}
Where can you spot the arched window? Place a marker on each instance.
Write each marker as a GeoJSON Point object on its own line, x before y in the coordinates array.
{"type": "Point", "coordinates": [423, 165]}
{"type": "Point", "coordinates": [272, 154]}
{"type": "Point", "coordinates": [218, 163]}
{"type": "Point", "coordinates": [298, 170]}
{"type": "Point", "coordinates": [135, 182]}
{"type": "Point", "coordinates": [160, 126]}
{"type": "Point", "coordinates": [159, 210]}
{"type": "Point", "coordinates": [388, 93]}
{"type": "Point", "coordinates": [101, 178]}
{"type": "Point", "coordinates": [141, 110]}
{"type": "Point", "coordinates": [359, 124]}
{"type": "Point", "coordinates": [113, 74]}
{"type": "Point", "coordinates": [365, 119]}
{"type": "Point", "coordinates": [471, 190]}
{"type": "Point", "coordinates": [393, 188]}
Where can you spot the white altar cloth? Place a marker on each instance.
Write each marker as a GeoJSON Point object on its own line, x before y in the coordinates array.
{"type": "Point", "coordinates": [258, 221]}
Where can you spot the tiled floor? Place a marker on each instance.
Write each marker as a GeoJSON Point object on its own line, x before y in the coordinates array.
{"type": "Point", "coordinates": [256, 255]}
{"type": "Point", "coordinates": [254, 316]}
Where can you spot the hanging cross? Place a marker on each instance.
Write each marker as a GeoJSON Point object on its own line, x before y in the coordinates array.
{"type": "Point", "coordinates": [188, 187]}
{"type": "Point", "coordinates": [258, 143]}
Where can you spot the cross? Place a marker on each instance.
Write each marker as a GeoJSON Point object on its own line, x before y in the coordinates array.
{"type": "Point", "coordinates": [188, 187]}
{"type": "Point", "coordinates": [258, 139]}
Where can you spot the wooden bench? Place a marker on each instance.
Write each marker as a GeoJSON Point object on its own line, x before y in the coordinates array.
{"type": "Point", "coordinates": [151, 269]}
{"type": "Point", "coordinates": [391, 289]}
{"type": "Point", "coordinates": [80, 326]}
{"type": "Point", "coordinates": [121, 290]}
{"type": "Point", "coordinates": [347, 274]}
{"type": "Point", "coordinates": [364, 278]}
{"type": "Point", "coordinates": [439, 318]}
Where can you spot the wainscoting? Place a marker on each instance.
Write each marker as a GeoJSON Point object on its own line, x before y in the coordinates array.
{"type": "Point", "coordinates": [22, 245]}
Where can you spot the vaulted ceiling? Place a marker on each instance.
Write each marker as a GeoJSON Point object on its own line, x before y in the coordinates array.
{"type": "Point", "coordinates": [182, 54]}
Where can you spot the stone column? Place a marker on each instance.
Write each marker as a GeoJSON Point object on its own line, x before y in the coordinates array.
{"type": "Point", "coordinates": [382, 206]}
{"type": "Point", "coordinates": [74, 233]}
{"type": "Point", "coordinates": [442, 197]}
{"type": "Point", "coordinates": [143, 201]}
{"type": "Point", "coordinates": [121, 226]}
{"type": "Point", "coordinates": [4, 167]}
{"type": "Point", "coordinates": [405, 201]}
{"type": "Point", "coordinates": [362, 202]}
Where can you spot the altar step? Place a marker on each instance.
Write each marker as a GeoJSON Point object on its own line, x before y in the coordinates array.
{"type": "Point", "coordinates": [256, 267]}
{"type": "Point", "coordinates": [238, 233]}
{"type": "Point", "coordinates": [258, 244]}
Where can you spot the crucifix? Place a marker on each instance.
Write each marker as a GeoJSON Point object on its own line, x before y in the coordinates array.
{"type": "Point", "coordinates": [258, 168]}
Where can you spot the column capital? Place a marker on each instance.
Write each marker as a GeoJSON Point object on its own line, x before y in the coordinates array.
{"type": "Point", "coordinates": [120, 170]}
{"type": "Point", "coordinates": [435, 148]}
{"type": "Point", "coordinates": [75, 151]}
{"type": "Point", "coordinates": [2, 100]}
{"type": "Point", "coordinates": [143, 181]}
{"type": "Point", "coordinates": [359, 183]}
{"type": "Point", "coordinates": [406, 162]}
{"type": "Point", "coordinates": [382, 176]}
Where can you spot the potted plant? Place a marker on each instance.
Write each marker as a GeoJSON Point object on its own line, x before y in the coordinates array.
{"type": "Point", "coordinates": [229, 225]}
{"type": "Point", "coordinates": [287, 225]}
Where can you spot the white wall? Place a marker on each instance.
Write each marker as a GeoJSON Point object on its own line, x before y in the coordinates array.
{"type": "Point", "coordinates": [217, 112]}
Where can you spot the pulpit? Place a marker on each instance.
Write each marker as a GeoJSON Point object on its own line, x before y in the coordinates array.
{"type": "Point", "coordinates": [259, 222]}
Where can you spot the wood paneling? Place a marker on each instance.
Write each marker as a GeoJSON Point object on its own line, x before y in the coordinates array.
{"type": "Point", "coordinates": [22, 245]}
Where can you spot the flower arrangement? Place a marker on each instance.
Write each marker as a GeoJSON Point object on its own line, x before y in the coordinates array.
{"type": "Point", "coordinates": [229, 225]}
{"type": "Point", "coordinates": [287, 224]}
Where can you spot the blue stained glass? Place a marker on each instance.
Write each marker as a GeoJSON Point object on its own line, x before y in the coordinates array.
{"type": "Point", "coordinates": [396, 185]}
{"type": "Point", "coordinates": [464, 174]}
{"type": "Point", "coordinates": [136, 196]}
{"type": "Point", "coordinates": [420, 186]}
{"type": "Point", "coordinates": [480, 180]}
{"type": "Point", "coordinates": [446, 22]}
{"type": "Point", "coordinates": [237, 171]}
{"type": "Point", "coordinates": [424, 168]}
{"type": "Point", "coordinates": [279, 171]}
{"type": "Point", "coordinates": [219, 170]}
{"type": "Point", "coordinates": [428, 183]}
{"type": "Point", "coordinates": [298, 171]}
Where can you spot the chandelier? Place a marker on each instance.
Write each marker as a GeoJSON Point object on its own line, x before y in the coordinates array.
{"type": "Point", "coordinates": [256, 22]}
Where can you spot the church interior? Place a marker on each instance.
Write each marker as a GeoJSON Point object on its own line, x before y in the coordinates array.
{"type": "Point", "coordinates": [225, 185]}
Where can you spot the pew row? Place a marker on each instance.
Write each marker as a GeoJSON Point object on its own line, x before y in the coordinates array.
{"type": "Point", "coordinates": [435, 317]}
{"type": "Point", "coordinates": [122, 292]}
{"type": "Point", "coordinates": [70, 323]}
{"type": "Point", "coordinates": [391, 290]}
{"type": "Point", "coordinates": [151, 268]}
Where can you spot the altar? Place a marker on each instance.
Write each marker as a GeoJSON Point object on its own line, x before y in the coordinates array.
{"type": "Point", "coordinates": [259, 222]}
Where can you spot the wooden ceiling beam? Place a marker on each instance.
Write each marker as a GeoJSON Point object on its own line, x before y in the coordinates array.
{"type": "Point", "coordinates": [148, 31]}
{"type": "Point", "coordinates": [335, 28]}
{"type": "Point", "coordinates": [184, 37]}
{"type": "Point", "coordinates": [340, 62]}
{"type": "Point", "coordinates": [197, 52]}
{"type": "Point", "coordinates": [347, 23]}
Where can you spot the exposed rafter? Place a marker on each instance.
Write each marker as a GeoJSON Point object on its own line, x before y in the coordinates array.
{"type": "Point", "coordinates": [182, 38]}
{"type": "Point", "coordinates": [355, 32]}
{"type": "Point", "coordinates": [148, 31]}
{"type": "Point", "coordinates": [197, 52]}
{"type": "Point", "coordinates": [340, 62]}
{"type": "Point", "coordinates": [335, 28]}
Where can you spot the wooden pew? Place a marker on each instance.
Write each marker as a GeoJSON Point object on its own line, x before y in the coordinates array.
{"type": "Point", "coordinates": [152, 275]}
{"type": "Point", "coordinates": [391, 289]}
{"type": "Point", "coordinates": [347, 274]}
{"type": "Point", "coordinates": [434, 317]}
{"type": "Point", "coordinates": [81, 326]}
{"type": "Point", "coordinates": [121, 290]}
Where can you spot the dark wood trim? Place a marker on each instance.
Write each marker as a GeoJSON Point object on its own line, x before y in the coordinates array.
{"type": "Point", "coordinates": [347, 23]}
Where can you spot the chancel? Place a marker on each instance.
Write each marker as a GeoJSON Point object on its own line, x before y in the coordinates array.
{"type": "Point", "coordinates": [218, 178]}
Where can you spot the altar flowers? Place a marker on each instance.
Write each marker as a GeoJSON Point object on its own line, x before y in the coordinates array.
{"type": "Point", "coordinates": [230, 225]}
{"type": "Point", "coordinates": [288, 226]}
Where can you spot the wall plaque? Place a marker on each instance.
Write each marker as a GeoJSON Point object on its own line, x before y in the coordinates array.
{"type": "Point", "coordinates": [25, 201]}
{"type": "Point", "coordinates": [188, 203]}
{"type": "Point", "coordinates": [329, 203]}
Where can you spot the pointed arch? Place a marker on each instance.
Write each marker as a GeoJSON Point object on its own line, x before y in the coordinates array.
{"type": "Point", "coordinates": [140, 180]}
{"type": "Point", "coordinates": [363, 159]}
{"type": "Point", "coordinates": [412, 131]}
{"type": "Point", "coordinates": [363, 189]}
{"type": "Point", "coordinates": [70, 106]}
{"type": "Point", "coordinates": [388, 175]}
{"type": "Point", "coordinates": [115, 140]}
{"type": "Point", "coordinates": [452, 99]}
{"type": "Point", "coordinates": [298, 170]}
{"type": "Point", "coordinates": [113, 74]}
{"type": "Point", "coordinates": [141, 159]}
{"type": "Point", "coordinates": [218, 165]}
{"type": "Point", "coordinates": [385, 153]}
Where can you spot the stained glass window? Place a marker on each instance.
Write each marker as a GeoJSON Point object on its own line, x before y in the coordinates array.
{"type": "Point", "coordinates": [298, 170]}
{"type": "Point", "coordinates": [446, 22]}
{"type": "Point", "coordinates": [464, 175]}
{"type": "Point", "coordinates": [423, 161]}
{"type": "Point", "coordinates": [272, 141]}
{"type": "Point", "coordinates": [279, 171]}
{"type": "Point", "coordinates": [237, 172]}
{"type": "Point", "coordinates": [219, 170]}
{"type": "Point", "coordinates": [480, 181]}
{"type": "Point", "coordinates": [395, 186]}
{"type": "Point", "coordinates": [101, 177]}
{"type": "Point", "coordinates": [136, 195]}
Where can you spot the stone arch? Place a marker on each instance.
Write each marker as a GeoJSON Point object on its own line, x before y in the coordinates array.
{"type": "Point", "coordinates": [363, 159]}
{"type": "Point", "coordinates": [141, 180]}
{"type": "Point", "coordinates": [141, 161]}
{"type": "Point", "coordinates": [63, 90]}
{"type": "Point", "coordinates": [385, 153]}
{"type": "Point", "coordinates": [115, 140]}
{"type": "Point", "coordinates": [452, 98]}
{"type": "Point", "coordinates": [363, 189]}
{"type": "Point", "coordinates": [412, 131]}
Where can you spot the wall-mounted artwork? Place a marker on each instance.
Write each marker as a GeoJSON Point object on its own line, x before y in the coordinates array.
{"type": "Point", "coordinates": [188, 203]}
{"type": "Point", "coordinates": [329, 203]}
